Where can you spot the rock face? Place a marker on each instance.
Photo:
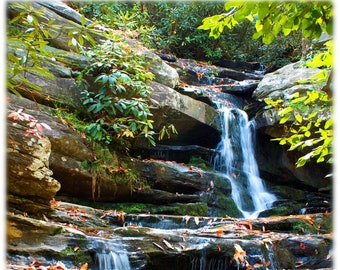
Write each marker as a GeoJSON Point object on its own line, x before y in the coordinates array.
{"type": "Point", "coordinates": [30, 183]}
{"type": "Point", "coordinates": [284, 82]}
{"type": "Point", "coordinates": [195, 121]}
{"type": "Point", "coordinates": [173, 183]}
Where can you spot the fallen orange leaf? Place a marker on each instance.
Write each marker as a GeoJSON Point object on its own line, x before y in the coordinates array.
{"type": "Point", "coordinates": [84, 266]}
{"type": "Point", "coordinates": [219, 232]}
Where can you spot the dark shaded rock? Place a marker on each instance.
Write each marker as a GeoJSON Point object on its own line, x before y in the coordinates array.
{"type": "Point", "coordinates": [195, 121]}
{"type": "Point", "coordinates": [167, 57]}
{"type": "Point", "coordinates": [237, 75]}
{"type": "Point", "coordinates": [198, 73]}
{"type": "Point", "coordinates": [239, 65]}
{"type": "Point", "coordinates": [245, 88]}
{"type": "Point", "coordinates": [278, 165]}
{"type": "Point", "coordinates": [162, 197]}
{"type": "Point", "coordinates": [180, 154]}
{"type": "Point", "coordinates": [173, 177]}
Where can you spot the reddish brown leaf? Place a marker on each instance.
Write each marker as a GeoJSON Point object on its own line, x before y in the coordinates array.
{"type": "Point", "coordinates": [302, 246]}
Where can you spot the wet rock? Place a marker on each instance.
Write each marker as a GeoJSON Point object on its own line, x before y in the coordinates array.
{"type": "Point", "coordinates": [183, 242]}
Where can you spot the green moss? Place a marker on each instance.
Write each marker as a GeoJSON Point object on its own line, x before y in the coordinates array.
{"type": "Point", "coordinates": [227, 205]}
{"type": "Point", "coordinates": [76, 257]}
{"type": "Point", "coordinates": [290, 193]}
{"type": "Point", "coordinates": [199, 162]}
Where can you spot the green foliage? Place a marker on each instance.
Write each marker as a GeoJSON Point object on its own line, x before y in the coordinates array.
{"type": "Point", "coordinates": [273, 18]}
{"type": "Point", "coordinates": [26, 47]}
{"type": "Point", "coordinates": [119, 99]}
{"type": "Point", "coordinates": [308, 125]}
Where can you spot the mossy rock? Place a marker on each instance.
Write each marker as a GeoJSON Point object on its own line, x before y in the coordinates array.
{"type": "Point", "coordinates": [191, 209]}
{"type": "Point", "coordinates": [290, 193]}
{"type": "Point", "coordinates": [284, 210]}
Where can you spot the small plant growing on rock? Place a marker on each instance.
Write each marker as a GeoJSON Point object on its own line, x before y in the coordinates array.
{"type": "Point", "coordinates": [35, 128]}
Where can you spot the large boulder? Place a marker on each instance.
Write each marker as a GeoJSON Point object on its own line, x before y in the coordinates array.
{"type": "Point", "coordinates": [30, 184]}
{"type": "Point", "coordinates": [195, 121]}
{"type": "Point", "coordinates": [172, 183]}
{"type": "Point", "coordinates": [285, 81]}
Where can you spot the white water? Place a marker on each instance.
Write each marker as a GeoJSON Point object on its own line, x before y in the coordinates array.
{"type": "Point", "coordinates": [237, 160]}
{"type": "Point", "coordinates": [112, 261]}
{"type": "Point", "coordinates": [110, 255]}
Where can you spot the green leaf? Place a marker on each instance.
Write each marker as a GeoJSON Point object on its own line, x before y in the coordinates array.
{"type": "Point", "coordinates": [284, 119]}
{"type": "Point", "coordinates": [328, 123]}
{"type": "Point", "coordinates": [268, 38]}
{"type": "Point", "coordinates": [298, 118]}
{"type": "Point", "coordinates": [285, 111]}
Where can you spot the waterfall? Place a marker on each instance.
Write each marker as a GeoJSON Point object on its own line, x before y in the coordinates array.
{"type": "Point", "coordinates": [236, 159]}
{"type": "Point", "coordinates": [110, 255]}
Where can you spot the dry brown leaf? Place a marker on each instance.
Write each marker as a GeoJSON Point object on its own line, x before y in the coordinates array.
{"type": "Point", "coordinates": [197, 220]}
{"type": "Point", "coordinates": [239, 254]}
{"type": "Point", "coordinates": [219, 232]}
{"type": "Point", "coordinates": [157, 245]}
{"type": "Point", "coordinates": [76, 248]}
{"type": "Point", "coordinates": [168, 244]}
{"type": "Point", "coordinates": [84, 266]}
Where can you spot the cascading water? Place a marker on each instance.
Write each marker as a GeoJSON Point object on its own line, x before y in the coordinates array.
{"type": "Point", "coordinates": [110, 255]}
{"type": "Point", "coordinates": [236, 159]}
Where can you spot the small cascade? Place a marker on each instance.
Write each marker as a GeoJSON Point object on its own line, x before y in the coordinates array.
{"type": "Point", "coordinates": [213, 263]}
{"type": "Point", "coordinates": [236, 159]}
{"type": "Point", "coordinates": [109, 260]}
{"type": "Point", "coordinates": [110, 255]}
